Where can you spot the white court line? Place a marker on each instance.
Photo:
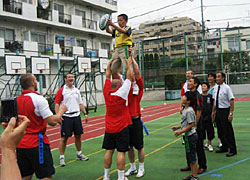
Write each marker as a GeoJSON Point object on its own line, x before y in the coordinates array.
{"type": "Point", "coordinates": [83, 128]}
{"type": "Point", "coordinates": [104, 122]}
{"type": "Point", "coordinates": [103, 134]}
{"type": "Point", "coordinates": [84, 133]}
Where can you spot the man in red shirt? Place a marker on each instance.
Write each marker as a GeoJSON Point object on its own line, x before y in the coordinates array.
{"type": "Point", "coordinates": [71, 97]}
{"type": "Point", "coordinates": [117, 120]}
{"type": "Point", "coordinates": [136, 129]}
{"type": "Point", "coordinates": [33, 151]}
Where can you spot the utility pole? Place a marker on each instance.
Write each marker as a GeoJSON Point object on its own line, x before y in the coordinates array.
{"type": "Point", "coordinates": [203, 40]}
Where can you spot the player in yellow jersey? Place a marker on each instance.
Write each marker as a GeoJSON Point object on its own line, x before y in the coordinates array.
{"type": "Point", "coordinates": [123, 42]}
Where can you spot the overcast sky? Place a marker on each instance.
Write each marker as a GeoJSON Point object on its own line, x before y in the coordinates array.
{"type": "Point", "coordinates": [217, 15]}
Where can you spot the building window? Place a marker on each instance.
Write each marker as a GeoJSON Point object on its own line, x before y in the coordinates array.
{"type": "Point", "coordinates": [248, 44]}
{"type": "Point", "coordinates": [233, 43]}
{"type": "Point", "coordinates": [83, 15]}
{"type": "Point", "coordinates": [7, 34]}
{"type": "Point", "coordinates": [81, 43]}
{"type": "Point", "coordinates": [40, 38]}
{"type": "Point", "coordinates": [105, 46]}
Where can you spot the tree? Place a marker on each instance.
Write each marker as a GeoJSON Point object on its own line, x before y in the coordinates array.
{"type": "Point", "coordinates": [181, 62]}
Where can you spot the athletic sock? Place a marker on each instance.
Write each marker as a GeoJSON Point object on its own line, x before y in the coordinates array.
{"type": "Point", "coordinates": [61, 156]}
{"type": "Point", "coordinates": [106, 172]}
{"type": "Point", "coordinates": [121, 174]}
{"type": "Point", "coordinates": [141, 165]}
{"type": "Point", "coordinates": [133, 166]}
{"type": "Point", "coordinates": [78, 152]}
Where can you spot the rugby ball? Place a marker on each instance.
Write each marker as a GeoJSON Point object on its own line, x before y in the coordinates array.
{"type": "Point", "coordinates": [103, 21]}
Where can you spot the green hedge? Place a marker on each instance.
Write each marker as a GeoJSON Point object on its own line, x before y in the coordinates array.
{"type": "Point", "coordinates": [174, 81]}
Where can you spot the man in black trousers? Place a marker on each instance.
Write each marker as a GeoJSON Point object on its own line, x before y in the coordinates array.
{"type": "Point", "coordinates": [223, 115]}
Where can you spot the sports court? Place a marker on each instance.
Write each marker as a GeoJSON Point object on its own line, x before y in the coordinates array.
{"type": "Point", "coordinates": [164, 152]}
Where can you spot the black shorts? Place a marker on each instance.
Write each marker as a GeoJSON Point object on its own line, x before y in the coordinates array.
{"type": "Point", "coordinates": [208, 128]}
{"type": "Point", "coordinates": [71, 124]}
{"type": "Point", "coordinates": [136, 133]}
{"type": "Point", "coordinates": [119, 141]}
{"type": "Point", "coordinates": [28, 162]}
{"type": "Point", "coordinates": [190, 148]}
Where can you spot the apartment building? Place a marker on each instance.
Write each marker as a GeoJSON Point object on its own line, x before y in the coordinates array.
{"type": "Point", "coordinates": [231, 39]}
{"type": "Point", "coordinates": [54, 28]}
{"type": "Point", "coordinates": [171, 31]}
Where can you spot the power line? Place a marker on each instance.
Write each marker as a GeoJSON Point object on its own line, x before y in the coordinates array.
{"type": "Point", "coordinates": [180, 12]}
{"type": "Point", "coordinates": [223, 5]}
{"type": "Point", "coordinates": [236, 18]}
{"type": "Point", "coordinates": [149, 12]}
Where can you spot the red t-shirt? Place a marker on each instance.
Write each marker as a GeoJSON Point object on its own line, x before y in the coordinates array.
{"type": "Point", "coordinates": [117, 113]}
{"type": "Point", "coordinates": [134, 100]}
{"type": "Point", "coordinates": [36, 108]}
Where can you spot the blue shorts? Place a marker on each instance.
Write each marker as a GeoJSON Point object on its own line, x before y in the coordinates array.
{"type": "Point", "coordinates": [190, 148]}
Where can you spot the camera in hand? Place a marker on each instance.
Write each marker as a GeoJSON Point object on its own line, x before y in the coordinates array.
{"type": "Point", "coordinates": [8, 109]}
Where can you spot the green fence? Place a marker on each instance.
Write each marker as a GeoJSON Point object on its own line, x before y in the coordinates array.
{"type": "Point", "coordinates": [226, 50]}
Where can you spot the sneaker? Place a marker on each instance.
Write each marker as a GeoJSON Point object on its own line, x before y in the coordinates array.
{"type": "Point", "coordinates": [188, 178]}
{"type": "Point", "coordinates": [125, 178]}
{"type": "Point", "coordinates": [106, 178]}
{"type": "Point", "coordinates": [210, 148]}
{"type": "Point", "coordinates": [206, 145]}
{"type": "Point", "coordinates": [81, 157]}
{"type": "Point", "coordinates": [195, 178]}
{"type": "Point", "coordinates": [130, 172]}
{"type": "Point", "coordinates": [62, 162]}
{"type": "Point", "coordinates": [140, 173]}
{"type": "Point", "coordinates": [183, 142]}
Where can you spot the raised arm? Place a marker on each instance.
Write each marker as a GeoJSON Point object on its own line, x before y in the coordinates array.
{"type": "Point", "coordinates": [130, 74]}
{"type": "Point", "coordinates": [108, 71]}
{"type": "Point", "coordinates": [118, 28]}
{"type": "Point", "coordinates": [136, 69]}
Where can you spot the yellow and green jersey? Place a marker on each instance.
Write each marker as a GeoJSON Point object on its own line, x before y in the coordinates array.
{"type": "Point", "coordinates": [122, 39]}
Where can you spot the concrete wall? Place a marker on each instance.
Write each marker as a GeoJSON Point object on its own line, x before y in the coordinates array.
{"type": "Point", "coordinates": [240, 89]}
{"type": "Point", "coordinates": [153, 95]}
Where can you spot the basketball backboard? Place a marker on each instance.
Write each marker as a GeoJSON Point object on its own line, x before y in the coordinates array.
{"type": "Point", "coordinates": [40, 65]}
{"type": "Point", "coordinates": [103, 65]}
{"type": "Point", "coordinates": [15, 64]}
{"type": "Point", "coordinates": [84, 65]}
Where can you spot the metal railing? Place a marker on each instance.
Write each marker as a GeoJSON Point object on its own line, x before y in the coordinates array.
{"type": "Point", "coordinates": [45, 49]}
{"type": "Point", "coordinates": [112, 2]}
{"type": "Point", "coordinates": [64, 18]}
{"type": "Point", "coordinates": [44, 14]}
{"type": "Point", "coordinates": [87, 23]}
{"type": "Point", "coordinates": [13, 7]}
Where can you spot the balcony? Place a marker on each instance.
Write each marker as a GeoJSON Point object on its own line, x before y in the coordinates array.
{"type": "Point", "coordinates": [13, 7]}
{"type": "Point", "coordinates": [112, 2]}
{"type": "Point", "coordinates": [45, 49]}
{"type": "Point", "coordinates": [44, 14]}
{"type": "Point", "coordinates": [87, 23]}
{"type": "Point", "coordinates": [64, 18]}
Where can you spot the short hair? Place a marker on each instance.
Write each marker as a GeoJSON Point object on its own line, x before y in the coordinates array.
{"type": "Point", "coordinates": [196, 81]}
{"type": "Point", "coordinates": [206, 83]}
{"type": "Point", "coordinates": [26, 80]}
{"type": "Point", "coordinates": [65, 76]}
{"type": "Point", "coordinates": [211, 74]}
{"type": "Point", "coordinates": [124, 16]}
{"type": "Point", "coordinates": [223, 75]}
